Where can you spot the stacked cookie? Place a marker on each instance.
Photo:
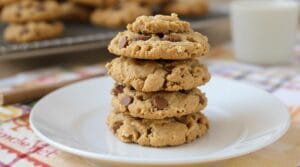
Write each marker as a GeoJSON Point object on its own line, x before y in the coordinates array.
{"type": "Point", "coordinates": [156, 101]}
{"type": "Point", "coordinates": [31, 20]}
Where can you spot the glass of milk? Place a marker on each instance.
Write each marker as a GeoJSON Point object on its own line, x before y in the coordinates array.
{"type": "Point", "coordinates": [264, 32]}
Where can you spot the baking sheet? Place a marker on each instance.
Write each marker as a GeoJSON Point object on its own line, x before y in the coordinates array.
{"type": "Point", "coordinates": [79, 37]}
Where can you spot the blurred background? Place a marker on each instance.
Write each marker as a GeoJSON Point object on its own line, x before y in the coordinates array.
{"type": "Point", "coordinates": [87, 31]}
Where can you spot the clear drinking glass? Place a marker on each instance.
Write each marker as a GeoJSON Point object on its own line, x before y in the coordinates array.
{"type": "Point", "coordinates": [264, 32]}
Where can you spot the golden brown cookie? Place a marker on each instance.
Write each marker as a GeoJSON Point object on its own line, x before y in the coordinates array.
{"type": "Point", "coordinates": [150, 3]}
{"type": "Point", "coordinates": [150, 76]}
{"type": "Point", "coordinates": [6, 2]}
{"type": "Point", "coordinates": [96, 3]}
{"type": "Point", "coordinates": [28, 11]}
{"type": "Point", "coordinates": [159, 24]}
{"type": "Point", "coordinates": [173, 46]}
{"type": "Point", "coordinates": [187, 7]}
{"type": "Point", "coordinates": [92, 3]}
{"type": "Point", "coordinates": [33, 31]}
{"type": "Point", "coordinates": [118, 16]}
{"type": "Point", "coordinates": [157, 133]}
{"type": "Point", "coordinates": [157, 105]}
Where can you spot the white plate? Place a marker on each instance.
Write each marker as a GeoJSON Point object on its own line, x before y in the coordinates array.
{"type": "Point", "coordinates": [242, 118]}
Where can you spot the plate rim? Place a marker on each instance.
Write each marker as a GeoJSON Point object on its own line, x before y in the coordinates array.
{"type": "Point", "coordinates": [136, 161]}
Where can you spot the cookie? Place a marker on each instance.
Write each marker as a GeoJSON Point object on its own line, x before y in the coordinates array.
{"type": "Point", "coordinates": [157, 105]}
{"type": "Point", "coordinates": [33, 31]}
{"type": "Point", "coordinates": [97, 3]}
{"type": "Point", "coordinates": [6, 2]}
{"type": "Point", "coordinates": [148, 3]}
{"type": "Point", "coordinates": [75, 12]}
{"type": "Point", "coordinates": [91, 3]}
{"type": "Point", "coordinates": [187, 7]}
{"type": "Point", "coordinates": [159, 24]}
{"type": "Point", "coordinates": [150, 76]}
{"type": "Point", "coordinates": [157, 133]}
{"type": "Point", "coordinates": [173, 46]}
{"type": "Point", "coordinates": [111, 3]}
{"type": "Point", "coordinates": [28, 10]}
{"type": "Point", "coordinates": [118, 16]}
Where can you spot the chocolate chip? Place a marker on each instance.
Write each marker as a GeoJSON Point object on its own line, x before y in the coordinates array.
{"type": "Point", "coordinates": [172, 38]}
{"type": "Point", "coordinates": [131, 88]}
{"type": "Point", "coordinates": [24, 31]}
{"type": "Point", "coordinates": [140, 97]}
{"type": "Point", "coordinates": [117, 90]}
{"type": "Point", "coordinates": [142, 37]}
{"type": "Point", "coordinates": [159, 102]}
{"type": "Point", "coordinates": [117, 126]}
{"type": "Point", "coordinates": [40, 7]}
{"type": "Point", "coordinates": [149, 131]}
{"type": "Point", "coordinates": [126, 100]}
{"type": "Point", "coordinates": [199, 120]}
{"type": "Point", "coordinates": [123, 42]}
{"type": "Point", "coordinates": [201, 100]}
{"type": "Point", "coordinates": [160, 35]}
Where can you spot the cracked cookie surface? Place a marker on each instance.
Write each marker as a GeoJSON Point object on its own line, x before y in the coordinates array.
{"type": "Point", "coordinates": [29, 10]}
{"type": "Point", "coordinates": [157, 133]}
{"type": "Point", "coordinates": [150, 76]}
{"type": "Point", "coordinates": [173, 46]}
{"type": "Point", "coordinates": [157, 105]}
{"type": "Point", "coordinates": [159, 24]}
